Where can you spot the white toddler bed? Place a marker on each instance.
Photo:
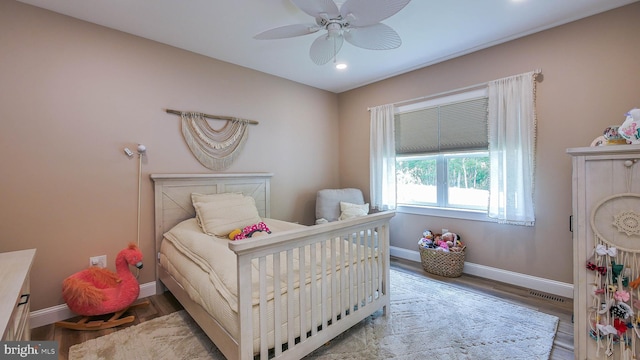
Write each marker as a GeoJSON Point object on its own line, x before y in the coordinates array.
{"type": "Point", "coordinates": [245, 294]}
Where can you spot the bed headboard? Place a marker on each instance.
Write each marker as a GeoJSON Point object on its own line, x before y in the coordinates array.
{"type": "Point", "coordinates": [173, 195]}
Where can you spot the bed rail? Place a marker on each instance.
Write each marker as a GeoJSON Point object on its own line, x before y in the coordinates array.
{"type": "Point", "coordinates": [349, 282]}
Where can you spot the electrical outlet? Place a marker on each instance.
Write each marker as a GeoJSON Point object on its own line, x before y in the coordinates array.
{"type": "Point", "coordinates": [99, 261]}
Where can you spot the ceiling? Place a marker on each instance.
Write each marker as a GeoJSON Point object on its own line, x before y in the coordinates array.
{"type": "Point", "coordinates": [431, 31]}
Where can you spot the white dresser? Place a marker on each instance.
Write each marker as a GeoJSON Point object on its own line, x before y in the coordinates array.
{"type": "Point", "coordinates": [606, 245]}
{"type": "Point", "coordinates": [15, 294]}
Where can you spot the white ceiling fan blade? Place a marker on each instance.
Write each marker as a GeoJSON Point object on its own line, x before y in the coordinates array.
{"type": "Point", "coordinates": [374, 37]}
{"type": "Point", "coordinates": [317, 8]}
{"type": "Point", "coordinates": [368, 12]}
{"type": "Point", "coordinates": [287, 31]}
{"type": "Point", "coordinates": [325, 48]}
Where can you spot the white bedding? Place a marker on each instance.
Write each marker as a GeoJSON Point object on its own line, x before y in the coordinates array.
{"type": "Point", "coordinates": [206, 269]}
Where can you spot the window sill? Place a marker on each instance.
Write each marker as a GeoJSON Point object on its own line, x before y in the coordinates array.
{"type": "Point", "coordinates": [447, 213]}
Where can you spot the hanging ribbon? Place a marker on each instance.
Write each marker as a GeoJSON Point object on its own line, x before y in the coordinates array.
{"type": "Point", "coordinates": [602, 250]}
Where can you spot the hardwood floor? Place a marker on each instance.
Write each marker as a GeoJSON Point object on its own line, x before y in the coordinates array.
{"type": "Point", "coordinates": [160, 305]}
{"type": "Point", "coordinates": [164, 304]}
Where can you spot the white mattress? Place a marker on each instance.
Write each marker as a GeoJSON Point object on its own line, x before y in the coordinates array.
{"type": "Point", "coordinates": [206, 269]}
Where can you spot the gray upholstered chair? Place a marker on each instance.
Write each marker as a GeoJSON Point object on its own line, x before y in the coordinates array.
{"type": "Point", "coordinates": [328, 203]}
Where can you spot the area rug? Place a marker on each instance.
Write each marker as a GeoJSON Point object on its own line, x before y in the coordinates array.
{"type": "Point", "coordinates": [429, 319]}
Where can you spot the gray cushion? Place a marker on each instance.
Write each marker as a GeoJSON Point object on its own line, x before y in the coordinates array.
{"type": "Point", "coordinates": [328, 202]}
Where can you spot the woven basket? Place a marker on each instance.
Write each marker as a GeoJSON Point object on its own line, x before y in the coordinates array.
{"type": "Point", "coordinates": [442, 263]}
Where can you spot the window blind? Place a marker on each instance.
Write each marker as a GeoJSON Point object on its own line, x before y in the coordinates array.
{"type": "Point", "coordinates": [452, 127]}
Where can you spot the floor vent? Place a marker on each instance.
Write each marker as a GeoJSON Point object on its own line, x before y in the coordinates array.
{"type": "Point", "coordinates": [546, 296]}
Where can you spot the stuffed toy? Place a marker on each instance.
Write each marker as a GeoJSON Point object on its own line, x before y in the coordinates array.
{"type": "Point", "coordinates": [442, 246]}
{"type": "Point", "coordinates": [427, 239]}
{"type": "Point", "coordinates": [234, 233]}
{"type": "Point", "coordinates": [250, 231]}
{"type": "Point", "coordinates": [612, 136]}
{"type": "Point", "coordinates": [452, 240]}
{"type": "Point", "coordinates": [442, 242]}
{"type": "Point", "coordinates": [630, 129]}
{"type": "Point", "coordinates": [99, 291]}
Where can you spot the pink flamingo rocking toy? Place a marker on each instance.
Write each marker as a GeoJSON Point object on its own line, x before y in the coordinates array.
{"type": "Point", "coordinates": [98, 291]}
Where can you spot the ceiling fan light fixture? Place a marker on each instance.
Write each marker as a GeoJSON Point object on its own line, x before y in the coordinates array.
{"type": "Point", "coordinates": [341, 66]}
{"type": "Point", "coordinates": [334, 29]}
{"type": "Point", "coordinates": [356, 21]}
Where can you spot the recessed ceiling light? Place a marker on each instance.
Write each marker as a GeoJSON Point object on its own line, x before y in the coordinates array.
{"type": "Point", "coordinates": [341, 66]}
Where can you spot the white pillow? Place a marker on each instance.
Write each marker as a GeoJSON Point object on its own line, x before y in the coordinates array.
{"type": "Point", "coordinates": [198, 200]}
{"type": "Point", "coordinates": [220, 217]}
{"type": "Point", "coordinates": [349, 210]}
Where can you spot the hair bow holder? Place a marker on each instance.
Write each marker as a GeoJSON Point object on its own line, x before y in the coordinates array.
{"type": "Point", "coordinates": [614, 297]}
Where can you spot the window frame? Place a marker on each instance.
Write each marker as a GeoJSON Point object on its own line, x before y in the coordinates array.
{"type": "Point", "coordinates": [441, 166]}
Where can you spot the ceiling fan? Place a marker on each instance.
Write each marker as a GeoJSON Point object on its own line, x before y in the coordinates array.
{"type": "Point", "coordinates": [356, 21]}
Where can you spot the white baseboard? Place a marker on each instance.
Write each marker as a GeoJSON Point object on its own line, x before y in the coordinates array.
{"type": "Point", "coordinates": [61, 312]}
{"type": "Point", "coordinates": [509, 277]}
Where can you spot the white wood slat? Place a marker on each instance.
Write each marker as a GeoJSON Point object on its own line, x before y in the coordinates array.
{"type": "Point", "coordinates": [277, 300]}
{"type": "Point", "coordinates": [343, 287]}
{"type": "Point", "coordinates": [264, 344]}
{"type": "Point", "coordinates": [359, 272]}
{"type": "Point", "coordinates": [334, 292]}
{"type": "Point", "coordinates": [301, 310]}
{"type": "Point", "coordinates": [314, 290]}
{"type": "Point", "coordinates": [353, 294]}
{"type": "Point", "coordinates": [291, 331]}
{"type": "Point", "coordinates": [370, 246]}
{"type": "Point", "coordinates": [381, 241]}
{"type": "Point", "coordinates": [323, 283]}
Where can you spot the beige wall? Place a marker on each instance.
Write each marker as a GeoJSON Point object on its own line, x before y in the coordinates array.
{"type": "Point", "coordinates": [73, 95]}
{"type": "Point", "coordinates": [591, 78]}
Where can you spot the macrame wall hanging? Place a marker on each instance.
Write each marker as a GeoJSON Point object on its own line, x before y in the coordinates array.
{"type": "Point", "coordinates": [216, 149]}
{"type": "Point", "coordinates": [615, 302]}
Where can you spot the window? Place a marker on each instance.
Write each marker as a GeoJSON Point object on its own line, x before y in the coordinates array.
{"type": "Point", "coordinates": [442, 155]}
{"type": "Point", "coordinates": [465, 176]}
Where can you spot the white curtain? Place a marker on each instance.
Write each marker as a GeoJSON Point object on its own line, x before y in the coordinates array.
{"type": "Point", "coordinates": [383, 158]}
{"type": "Point", "coordinates": [512, 140]}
